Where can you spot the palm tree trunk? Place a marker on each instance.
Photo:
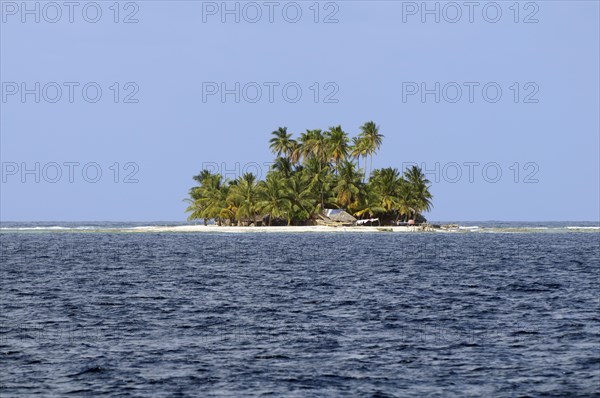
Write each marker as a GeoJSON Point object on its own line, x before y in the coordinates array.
{"type": "Point", "coordinates": [365, 175]}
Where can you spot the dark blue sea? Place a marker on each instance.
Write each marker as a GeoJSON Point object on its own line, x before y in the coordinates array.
{"type": "Point", "coordinates": [101, 311]}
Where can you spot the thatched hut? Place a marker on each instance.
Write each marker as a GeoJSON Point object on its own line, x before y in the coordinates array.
{"type": "Point", "coordinates": [336, 217]}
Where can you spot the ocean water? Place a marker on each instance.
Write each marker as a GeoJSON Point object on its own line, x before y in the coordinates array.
{"type": "Point", "coordinates": [89, 310]}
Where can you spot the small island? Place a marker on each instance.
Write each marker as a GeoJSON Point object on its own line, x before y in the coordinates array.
{"type": "Point", "coordinates": [321, 178]}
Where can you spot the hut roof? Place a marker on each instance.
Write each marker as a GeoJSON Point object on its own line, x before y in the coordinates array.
{"type": "Point", "coordinates": [339, 215]}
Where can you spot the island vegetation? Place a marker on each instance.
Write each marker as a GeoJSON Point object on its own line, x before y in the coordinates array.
{"type": "Point", "coordinates": [318, 170]}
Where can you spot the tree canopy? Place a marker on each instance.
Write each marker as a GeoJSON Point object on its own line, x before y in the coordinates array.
{"type": "Point", "coordinates": [318, 170]}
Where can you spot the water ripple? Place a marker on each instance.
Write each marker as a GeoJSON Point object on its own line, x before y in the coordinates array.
{"type": "Point", "coordinates": [301, 315]}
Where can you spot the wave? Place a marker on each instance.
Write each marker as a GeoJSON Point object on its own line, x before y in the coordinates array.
{"type": "Point", "coordinates": [59, 228]}
{"type": "Point", "coordinates": [522, 229]}
{"type": "Point", "coordinates": [35, 228]}
{"type": "Point", "coordinates": [91, 227]}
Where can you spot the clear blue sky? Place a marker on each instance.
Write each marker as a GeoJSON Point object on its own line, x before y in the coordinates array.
{"type": "Point", "coordinates": [369, 55]}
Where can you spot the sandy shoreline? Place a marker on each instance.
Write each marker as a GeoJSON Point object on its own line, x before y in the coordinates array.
{"type": "Point", "coordinates": [297, 229]}
{"type": "Point", "coordinates": [214, 229]}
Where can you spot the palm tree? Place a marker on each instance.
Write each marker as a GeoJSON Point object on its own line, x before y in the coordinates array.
{"type": "Point", "coordinates": [282, 142]}
{"type": "Point", "coordinates": [405, 204]}
{"type": "Point", "coordinates": [295, 152]}
{"type": "Point", "coordinates": [272, 199]}
{"type": "Point", "coordinates": [358, 149]}
{"type": "Point", "coordinates": [347, 188]}
{"type": "Point", "coordinates": [195, 209]}
{"type": "Point", "coordinates": [207, 198]}
{"type": "Point", "coordinates": [318, 145]}
{"type": "Point", "coordinates": [214, 201]}
{"type": "Point", "coordinates": [304, 145]}
{"type": "Point", "coordinates": [419, 188]}
{"type": "Point", "coordinates": [283, 166]}
{"type": "Point", "coordinates": [373, 139]}
{"type": "Point", "coordinates": [386, 182]}
{"type": "Point", "coordinates": [319, 170]}
{"type": "Point", "coordinates": [414, 175]}
{"type": "Point", "coordinates": [203, 176]}
{"type": "Point", "coordinates": [369, 205]}
{"type": "Point", "coordinates": [244, 193]}
{"type": "Point", "coordinates": [337, 143]}
{"type": "Point", "coordinates": [300, 193]}
{"type": "Point", "coordinates": [319, 178]}
{"type": "Point", "coordinates": [312, 144]}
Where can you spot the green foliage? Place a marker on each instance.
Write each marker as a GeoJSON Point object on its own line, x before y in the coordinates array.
{"type": "Point", "coordinates": [319, 170]}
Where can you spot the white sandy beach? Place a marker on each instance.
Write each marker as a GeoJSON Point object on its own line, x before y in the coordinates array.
{"type": "Point", "coordinates": [286, 229]}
